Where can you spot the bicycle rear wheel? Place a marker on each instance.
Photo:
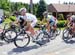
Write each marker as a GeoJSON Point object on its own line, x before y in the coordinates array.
{"type": "Point", "coordinates": [43, 38]}
{"type": "Point", "coordinates": [22, 40]}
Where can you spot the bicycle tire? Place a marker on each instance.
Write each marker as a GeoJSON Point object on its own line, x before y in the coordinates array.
{"type": "Point", "coordinates": [45, 35]}
{"type": "Point", "coordinates": [11, 38]}
{"type": "Point", "coordinates": [65, 38]}
{"type": "Point", "coordinates": [15, 41]}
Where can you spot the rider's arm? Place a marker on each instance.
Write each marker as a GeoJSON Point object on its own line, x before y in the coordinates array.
{"type": "Point", "coordinates": [16, 22]}
{"type": "Point", "coordinates": [25, 22]}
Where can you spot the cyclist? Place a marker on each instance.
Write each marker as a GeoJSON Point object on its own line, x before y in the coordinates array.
{"type": "Point", "coordinates": [51, 21]}
{"type": "Point", "coordinates": [27, 19]}
{"type": "Point", "coordinates": [73, 23]}
{"type": "Point", "coordinates": [68, 23]}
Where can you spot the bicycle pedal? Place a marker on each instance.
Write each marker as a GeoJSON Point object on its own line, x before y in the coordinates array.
{"type": "Point", "coordinates": [33, 41]}
{"type": "Point", "coordinates": [56, 34]}
{"type": "Point", "coordinates": [39, 43]}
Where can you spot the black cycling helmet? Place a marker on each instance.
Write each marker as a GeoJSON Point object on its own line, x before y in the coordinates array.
{"type": "Point", "coordinates": [16, 13]}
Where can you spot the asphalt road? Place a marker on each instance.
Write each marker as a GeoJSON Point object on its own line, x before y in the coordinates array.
{"type": "Point", "coordinates": [54, 47]}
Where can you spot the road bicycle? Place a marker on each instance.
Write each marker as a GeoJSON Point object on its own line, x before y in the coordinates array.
{"type": "Point", "coordinates": [23, 38]}
{"type": "Point", "coordinates": [7, 34]}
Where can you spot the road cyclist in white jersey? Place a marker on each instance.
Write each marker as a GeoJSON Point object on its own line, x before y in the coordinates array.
{"type": "Point", "coordinates": [27, 19]}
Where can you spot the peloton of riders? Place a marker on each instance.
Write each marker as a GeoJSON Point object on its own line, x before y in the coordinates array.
{"type": "Point", "coordinates": [30, 20]}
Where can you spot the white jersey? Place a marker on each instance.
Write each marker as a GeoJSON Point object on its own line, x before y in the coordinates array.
{"type": "Point", "coordinates": [52, 18]}
{"type": "Point", "coordinates": [29, 17]}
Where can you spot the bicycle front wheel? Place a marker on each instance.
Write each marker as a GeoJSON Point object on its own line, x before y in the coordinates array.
{"type": "Point", "coordinates": [9, 35]}
{"type": "Point", "coordinates": [66, 35]}
{"type": "Point", "coordinates": [22, 40]}
{"type": "Point", "coordinates": [58, 31]}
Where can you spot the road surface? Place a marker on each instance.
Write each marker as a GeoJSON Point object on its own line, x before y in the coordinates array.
{"type": "Point", "coordinates": [54, 47]}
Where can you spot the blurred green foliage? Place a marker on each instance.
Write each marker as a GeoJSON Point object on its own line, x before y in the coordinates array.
{"type": "Point", "coordinates": [61, 23]}
{"type": "Point", "coordinates": [60, 17]}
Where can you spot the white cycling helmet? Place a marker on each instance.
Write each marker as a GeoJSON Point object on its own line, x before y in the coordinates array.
{"type": "Point", "coordinates": [23, 9]}
{"type": "Point", "coordinates": [73, 16]}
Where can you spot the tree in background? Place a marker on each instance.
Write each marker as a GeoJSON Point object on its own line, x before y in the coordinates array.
{"type": "Point", "coordinates": [4, 4]}
{"type": "Point", "coordinates": [69, 3]}
{"type": "Point", "coordinates": [10, 7]}
{"type": "Point", "coordinates": [41, 8]}
{"type": "Point", "coordinates": [35, 6]}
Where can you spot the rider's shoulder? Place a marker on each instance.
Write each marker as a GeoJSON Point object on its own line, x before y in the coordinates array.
{"type": "Point", "coordinates": [30, 15]}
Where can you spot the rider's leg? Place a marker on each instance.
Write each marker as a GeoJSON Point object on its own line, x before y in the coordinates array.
{"type": "Point", "coordinates": [31, 29]}
{"type": "Point", "coordinates": [48, 27]}
{"type": "Point", "coordinates": [53, 25]}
